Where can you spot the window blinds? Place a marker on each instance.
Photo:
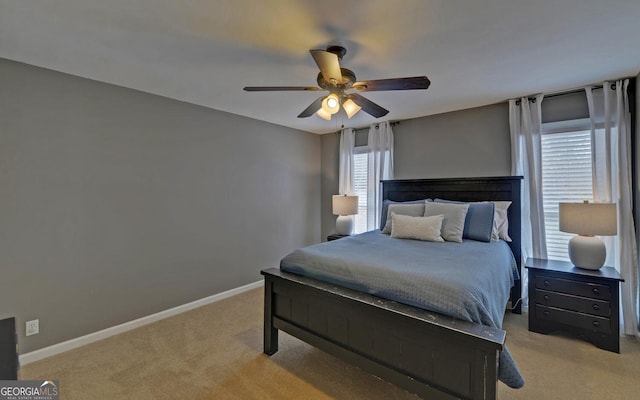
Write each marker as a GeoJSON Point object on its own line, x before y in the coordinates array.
{"type": "Point", "coordinates": [360, 165]}
{"type": "Point", "coordinates": [566, 177]}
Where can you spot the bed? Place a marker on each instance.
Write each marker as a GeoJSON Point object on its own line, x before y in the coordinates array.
{"type": "Point", "coordinates": [428, 353]}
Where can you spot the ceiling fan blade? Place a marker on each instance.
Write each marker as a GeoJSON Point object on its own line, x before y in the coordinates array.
{"type": "Point", "coordinates": [329, 65]}
{"type": "Point", "coordinates": [411, 83]}
{"type": "Point", "coordinates": [278, 88]}
{"type": "Point", "coordinates": [313, 108]}
{"type": "Point", "coordinates": [368, 106]}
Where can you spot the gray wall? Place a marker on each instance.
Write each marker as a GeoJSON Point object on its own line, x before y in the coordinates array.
{"type": "Point", "coordinates": [473, 142]}
{"type": "Point", "coordinates": [115, 204]}
{"type": "Point", "coordinates": [467, 143]}
{"type": "Point", "coordinates": [330, 173]}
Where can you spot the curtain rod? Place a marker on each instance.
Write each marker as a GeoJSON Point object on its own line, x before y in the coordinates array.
{"type": "Point", "coordinates": [377, 125]}
{"type": "Point", "coordinates": [578, 90]}
{"type": "Point", "coordinates": [567, 92]}
{"type": "Point", "coordinates": [581, 89]}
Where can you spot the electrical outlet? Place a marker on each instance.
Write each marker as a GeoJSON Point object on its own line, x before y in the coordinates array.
{"type": "Point", "coordinates": [33, 327]}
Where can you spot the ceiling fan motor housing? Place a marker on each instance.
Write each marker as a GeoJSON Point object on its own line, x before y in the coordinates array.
{"type": "Point", "coordinates": [348, 79]}
{"type": "Point", "coordinates": [337, 50]}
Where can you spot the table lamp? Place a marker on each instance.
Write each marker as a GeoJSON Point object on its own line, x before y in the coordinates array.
{"type": "Point", "coordinates": [344, 207]}
{"type": "Point", "coordinates": [588, 219]}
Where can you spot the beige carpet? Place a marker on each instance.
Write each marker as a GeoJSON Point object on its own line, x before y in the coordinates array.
{"type": "Point", "coordinates": [215, 352]}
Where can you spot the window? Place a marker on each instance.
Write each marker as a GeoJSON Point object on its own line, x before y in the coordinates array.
{"type": "Point", "coordinates": [360, 180]}
{"type": "Point", "coordinates": [372, 163]}
{"type": "Point", "coordinates": [566, 177]}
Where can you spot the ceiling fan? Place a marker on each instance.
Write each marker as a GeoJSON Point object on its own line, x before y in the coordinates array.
{"type": "Point", "coordinates": [341, 84]}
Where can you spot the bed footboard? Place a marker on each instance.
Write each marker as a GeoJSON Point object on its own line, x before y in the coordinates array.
{"type": "Point", "coordinates": [434, 356]}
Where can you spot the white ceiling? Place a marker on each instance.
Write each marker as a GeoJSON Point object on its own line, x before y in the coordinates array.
{"type": "Point", "coordinates": [205, 51]}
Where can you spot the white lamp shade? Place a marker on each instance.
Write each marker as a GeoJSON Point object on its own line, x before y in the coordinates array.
{"type": "Point", "coordinates": [588, 218]}
{"type": "Point", "coordinates": [345, 205]}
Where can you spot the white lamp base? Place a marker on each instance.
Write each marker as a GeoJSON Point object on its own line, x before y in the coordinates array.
{"type": "Point", "coordinates": [587, 252]}
{"type": "Point", "coordinates": [344, 224]}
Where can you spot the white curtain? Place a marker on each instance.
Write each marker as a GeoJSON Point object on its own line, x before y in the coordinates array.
{"type": "Point", "coordinates": [380, 143]}
{"type": "Point", "coordinates": [525, 123]}
{"type": "Point", "coordinates": [345, 179]}
{"type": "Point", "coordinates": [611, 159]}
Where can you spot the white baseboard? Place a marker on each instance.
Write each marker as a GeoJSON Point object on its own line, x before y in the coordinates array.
{"type": "Point", "coordinates": [127, 326]}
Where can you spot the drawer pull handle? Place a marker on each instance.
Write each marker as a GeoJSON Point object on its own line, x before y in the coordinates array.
{"type": "Point", "coordinates": [546, 313]}
{"type": "Point", "coordinates": [596, 323]}
{"type": "Point", "coordinates": [596, 290]}
{"type": "Point", "coordinates": [546, 297]}
{"type": "Point", "coordinates": [596, 307]}
{"type": "Point", "coordinates": [546, 283]}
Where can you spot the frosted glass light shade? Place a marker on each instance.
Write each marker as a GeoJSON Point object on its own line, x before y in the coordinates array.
{"type": "Point", "coordinates": [345, 205]}
{"type": "Point", "coordinates": [331, 104]}
{"type": "Point", "coordinates": [588, 218]}
{"type": "Point", "coordinates": [323, 114]}
{"type": "Point", "coordinates": [350, 108]}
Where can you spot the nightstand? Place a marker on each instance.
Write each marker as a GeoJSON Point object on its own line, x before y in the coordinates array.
{"type": "Point", "coordinates": [581, 301]}
{"type": "Point", "coordinates": [335, 236]}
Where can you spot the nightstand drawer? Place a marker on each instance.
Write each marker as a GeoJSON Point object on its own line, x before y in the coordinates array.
{"type": "Point", "coordinates": [573, 303]}
{"type": "Point", "coordinates": [577, 288]}
{"type": "Point", "coordinates": [578, 320]}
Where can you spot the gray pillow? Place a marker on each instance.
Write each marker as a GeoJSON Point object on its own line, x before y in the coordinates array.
{"type": "Point", "coordinates": [478, 224]}
{"type": "Point", "coordinates": [411, 209]}
{"type": "Point", "coordinates": [418, 228]}
{"type": "Point", "coordinates": [454, 216]}
{"type": "Point", "coordinates": [384, 216]}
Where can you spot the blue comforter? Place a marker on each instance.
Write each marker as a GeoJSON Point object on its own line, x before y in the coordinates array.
{"type": "Point", "coordinates": [469, 281]}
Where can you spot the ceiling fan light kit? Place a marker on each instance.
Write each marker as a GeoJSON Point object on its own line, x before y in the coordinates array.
{"type": "Point", "coordinates": [340, 82]}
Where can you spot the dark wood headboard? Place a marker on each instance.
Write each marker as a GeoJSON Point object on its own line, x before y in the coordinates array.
{"type": "Point", "coordinates": [499, 188]}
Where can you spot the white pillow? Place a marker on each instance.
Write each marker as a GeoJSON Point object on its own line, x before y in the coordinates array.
{"type": "Point", "coordinates": [420, 228]}
{"type": "Point", "coordinates": [453, 222]}
{"type": "Point", "coordinates": [414, 210]}
{"type": "Point", "coordinates": [501, 221]}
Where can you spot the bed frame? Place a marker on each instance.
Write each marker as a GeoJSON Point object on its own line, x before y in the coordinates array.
{"type": "Point", "coordinates": [430, 354]}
